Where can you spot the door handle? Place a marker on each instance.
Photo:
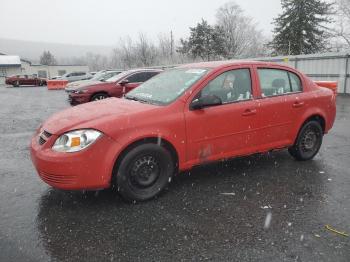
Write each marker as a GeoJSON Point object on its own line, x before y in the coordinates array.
{"type": "Point", "coordinates": [298, 104]}
{"type": "Point", "coordinates": [249, 112]}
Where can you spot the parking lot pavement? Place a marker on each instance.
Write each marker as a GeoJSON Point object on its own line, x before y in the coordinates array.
{"type": "Point", "coordinates": [260, 208]}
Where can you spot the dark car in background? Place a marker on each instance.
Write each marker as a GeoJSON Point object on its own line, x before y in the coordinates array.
{"type": "Point", "coordinates": [99, 77]}
{"type": "Point", "coordinates": [116, 86]}
{"type": "Point", "coordinates": [19, 80]}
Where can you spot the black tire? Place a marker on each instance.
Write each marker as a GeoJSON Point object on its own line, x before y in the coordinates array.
{"type": "Point", "coordinates": [308, 142]}
{"type": "Point", "coordinates": [99, 96]}
{"type": "Point", "coordinates": [16, 84]}
{"type": "Point", "coordinates": [144, 172]}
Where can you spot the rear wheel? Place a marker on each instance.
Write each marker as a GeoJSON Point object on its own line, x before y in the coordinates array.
{"type": "Point", "coordinates": [99, 96]}
{"type": "Point", "coordinates": [308, 143]}
{"type": "Point", "coordinates": [144, 172]}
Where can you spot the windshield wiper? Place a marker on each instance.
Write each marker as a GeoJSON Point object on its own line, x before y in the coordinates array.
{"type": "Point", "coordinates": [137, 99]}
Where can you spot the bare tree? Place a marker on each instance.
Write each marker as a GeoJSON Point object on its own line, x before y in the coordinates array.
{"type": "Point", "coordinates": [145, 51]}
{"type": "Point", "coordinates": [166, 48]}
{"type": "Point", "coordinates": [242, 38]}
{"type": "Point", "coordinates": [127, 52]}
{"type": "Point", "coordinates": [342, 29]}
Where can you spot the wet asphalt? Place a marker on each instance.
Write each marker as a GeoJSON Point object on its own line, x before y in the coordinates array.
{"type": "Point", "coordinates": [259, 208]}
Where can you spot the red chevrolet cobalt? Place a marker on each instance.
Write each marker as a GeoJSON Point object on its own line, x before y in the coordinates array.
{"type": "Point", "coordinates": [181, 118]}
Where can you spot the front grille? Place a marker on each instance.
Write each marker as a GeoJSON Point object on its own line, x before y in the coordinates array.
{"type": "Point", "coordinates": [58, 179]}
{"type": "Point", "coordinates": [41, 140]}
{"type": "Point", "coordinates": [47, 134]}
{"type": "Point", "coordinates": [43, 137]}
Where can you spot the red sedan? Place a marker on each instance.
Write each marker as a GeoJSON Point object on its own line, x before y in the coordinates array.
{"type": "Point", "coordinates": [19, 80]}
{"type": "Point", "coordinates": [116, 86]}
{"type": "Point", "coordinates": [180, 118]}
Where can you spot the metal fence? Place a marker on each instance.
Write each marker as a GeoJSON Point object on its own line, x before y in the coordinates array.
{"type": "Point", "coordinates": [322, 67]}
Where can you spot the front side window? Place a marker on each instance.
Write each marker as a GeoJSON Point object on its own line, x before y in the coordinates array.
{"type": "Point", "coordinates": [231, 86]}
{"type": "Point", "coordinates": [135, 78]}
{"type": "Point", "coordinates": [167, 86]}
{"type": "Point", "coordinates": [141, 77]}
{"type": "Point", "coordinates": [274, 82]}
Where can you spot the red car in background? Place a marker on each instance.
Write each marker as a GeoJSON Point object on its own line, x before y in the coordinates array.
{"type": "Point", "coordinates": [181, 118]}
{"type": "Point", "coordinates": [116, 86]}
{"type": "Point", "coordinates": [19, 80]}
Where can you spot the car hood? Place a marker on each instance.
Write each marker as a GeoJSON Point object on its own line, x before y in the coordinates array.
{"type": "Point", "coordinates": [80, 85]}
{"type": "Point", "coordinates": [97, 115]}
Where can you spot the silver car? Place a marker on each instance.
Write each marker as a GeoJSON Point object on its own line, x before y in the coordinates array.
{"type": "Point", "coordinates": [75, 76]}
{"type": "Point", "coordinates": [100, 76]}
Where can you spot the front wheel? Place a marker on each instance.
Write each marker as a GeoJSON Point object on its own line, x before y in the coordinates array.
{"type": "Point", "coordinates": [308, 143]}
{"type": "Point", "coordinates": [16, 84]}
{"type": "Point", "coordinates": [144, 172]}
{"type": "Point", "coordinates": [99, 97]}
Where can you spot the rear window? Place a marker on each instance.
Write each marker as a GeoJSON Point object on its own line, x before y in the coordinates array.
{"type": "Point", "coordinates": [274, 82]}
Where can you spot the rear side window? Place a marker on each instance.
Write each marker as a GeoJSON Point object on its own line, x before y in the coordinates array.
{"type": "Point", "coordinates": [274, 82]}
{"type": "Point", "coordinates": [295, 82]}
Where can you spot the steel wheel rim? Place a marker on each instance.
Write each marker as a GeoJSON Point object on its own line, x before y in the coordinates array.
{"type": "Point", "coordinates": [100, 97]}
{"type": "Point", "coordinates": [310, 140]}
{"type": "Point", "coordinates": [144, 172]}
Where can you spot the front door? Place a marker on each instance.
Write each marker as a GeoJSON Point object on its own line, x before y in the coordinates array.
{"type": "Point", "coordinates": [225, 130]}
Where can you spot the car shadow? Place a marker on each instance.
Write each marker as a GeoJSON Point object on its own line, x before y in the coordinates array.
{"type": "Point", "coordinates": [23, 86]}
{"type": "Point", "coordinates": [218, 201]}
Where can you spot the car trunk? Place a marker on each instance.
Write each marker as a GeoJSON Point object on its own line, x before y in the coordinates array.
{"type": "Point", "coordinates": [332, 85]}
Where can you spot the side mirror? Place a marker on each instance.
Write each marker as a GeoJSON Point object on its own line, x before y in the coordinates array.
{"type": "Point", "coordinates": [123, 82]}
{"type": "Point", "coordinates": [205, 101]}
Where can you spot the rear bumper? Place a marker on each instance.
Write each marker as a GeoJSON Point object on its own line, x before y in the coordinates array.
{"type": "Point", "coordinates": [85, 170]}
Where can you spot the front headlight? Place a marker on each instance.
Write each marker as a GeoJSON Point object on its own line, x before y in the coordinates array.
{"type": "Point", "coordinates": [77, 140]}
{"type": "Point", "coordinates": [79, 91]}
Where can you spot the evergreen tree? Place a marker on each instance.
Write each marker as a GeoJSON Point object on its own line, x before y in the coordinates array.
{"type": "Point", "coordinates": [205, 42]}
{"type": "Point", "coordinates": [47, 58]}
{"type": "Point", "coordinates": [300, 29]}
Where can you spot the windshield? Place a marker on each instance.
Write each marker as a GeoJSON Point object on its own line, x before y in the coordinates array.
{"type": "Point", "coordinates": [167, 86]}
{"type": "Point", "coordinates": [118, 76]}
{"type": "Point", "coordinates": [98, 76]}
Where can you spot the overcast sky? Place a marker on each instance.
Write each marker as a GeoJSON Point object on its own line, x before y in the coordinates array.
{"type": "Point", "coordinates": [102, 22]}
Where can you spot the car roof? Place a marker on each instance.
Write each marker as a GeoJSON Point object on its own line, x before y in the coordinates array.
{"type": "Point", "coordinates": [222, 64]}
{"type": "Point", "coordinates": [144, 69]}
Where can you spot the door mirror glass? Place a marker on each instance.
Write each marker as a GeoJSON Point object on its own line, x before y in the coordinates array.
{"type": "Point", "coordinates": [205, 101]}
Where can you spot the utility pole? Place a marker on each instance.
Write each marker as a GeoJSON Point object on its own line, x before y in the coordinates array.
{"type": "Point", "coordinates": [288, 48]}
{"type": "Point", "coordinates": [171, 44]}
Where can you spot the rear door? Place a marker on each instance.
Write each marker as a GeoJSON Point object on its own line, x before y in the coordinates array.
{"type": "Point", "coordinates": [279, 106]}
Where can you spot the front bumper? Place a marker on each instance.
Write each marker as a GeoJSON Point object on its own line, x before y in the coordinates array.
{"type": "Point", "coordinates": [75, 99]}
{"type": "Point", "coordinates": [88, 169]}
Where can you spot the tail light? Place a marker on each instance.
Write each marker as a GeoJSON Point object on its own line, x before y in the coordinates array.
{"type": "Point", "coordinates": [332, 85]}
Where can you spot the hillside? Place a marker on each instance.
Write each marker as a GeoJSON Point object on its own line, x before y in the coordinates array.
{"type": "Point", "coordinates": [32, 50]}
